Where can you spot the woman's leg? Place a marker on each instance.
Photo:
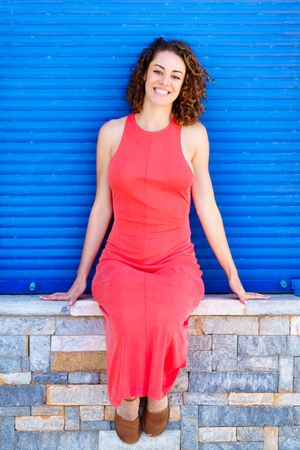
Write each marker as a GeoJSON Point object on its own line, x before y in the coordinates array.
{"type": "Point", "coordinates": [157, 405]}
{"type": "Point", "coordinates": [129, 408]}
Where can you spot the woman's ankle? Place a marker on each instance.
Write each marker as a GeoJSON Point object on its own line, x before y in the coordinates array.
{"type": "Point", "coordinates": [157, 405]}
{"type": "Point", "coordinates": [129, 409]}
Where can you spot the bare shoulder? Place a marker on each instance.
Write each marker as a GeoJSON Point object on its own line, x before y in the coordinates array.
{"type": "Point", "coordinates": [195, 139]}
{"type": "Point", "coordinates": [197, 130]}
{"type": "Point", "coordinates": [114, 125]}
{"type": "Point", "coordinates": [111, 131]}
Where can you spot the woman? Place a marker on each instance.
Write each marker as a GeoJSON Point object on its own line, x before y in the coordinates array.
{"type": "Point", "coordinates": [147, 280]}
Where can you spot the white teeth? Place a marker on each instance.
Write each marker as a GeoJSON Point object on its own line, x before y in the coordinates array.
{"type": "Point", "coordinates": [161, 91]}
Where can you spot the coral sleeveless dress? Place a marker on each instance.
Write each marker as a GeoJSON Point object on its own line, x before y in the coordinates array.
{"type": "Point", "coordinates": [147, 279]}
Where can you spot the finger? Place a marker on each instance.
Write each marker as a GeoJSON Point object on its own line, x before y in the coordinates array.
{"type": "Point", "coordinates": [243, 300]}
{"type": "Point", "coordinates": [255, 295]}
{"type": "Point", "coordinates": [56, 296]}
{"type": "Point", "coordinates": [72, 301]}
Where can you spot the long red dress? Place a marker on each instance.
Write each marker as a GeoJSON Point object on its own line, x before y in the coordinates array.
{"type": "Point", "coordinates": [147, 279]}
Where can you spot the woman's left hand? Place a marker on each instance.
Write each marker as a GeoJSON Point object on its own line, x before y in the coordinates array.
{"type": "Point", "coordinates": [236, 286]}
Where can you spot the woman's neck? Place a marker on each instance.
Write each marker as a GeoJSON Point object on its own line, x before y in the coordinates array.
{"type": "Point", "coordinates": [153, 119]}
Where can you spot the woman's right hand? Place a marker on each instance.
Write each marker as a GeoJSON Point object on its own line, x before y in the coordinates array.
{"type": "Point", "coordinates": [77, 288]}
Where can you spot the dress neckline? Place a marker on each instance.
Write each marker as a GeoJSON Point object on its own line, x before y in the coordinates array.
{"type": "Point", "coordinates": [149, 131]}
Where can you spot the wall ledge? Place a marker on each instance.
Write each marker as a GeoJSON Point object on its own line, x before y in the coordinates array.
{"type": "Point", "coordinates": [211, 305]}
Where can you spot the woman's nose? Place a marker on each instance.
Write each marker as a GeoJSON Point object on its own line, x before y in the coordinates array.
{"type": "Point", "coordinates": [165, 80]}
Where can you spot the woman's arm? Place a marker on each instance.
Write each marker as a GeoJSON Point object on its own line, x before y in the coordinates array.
{"type": "Point", "coordinates": [209, 214]}
{"type": "Point", "coordinates": [99, 219]}
{"type": "Point", "coordinates": [101, 211]}
{"type": "Point", "coordinates": [205, 203]}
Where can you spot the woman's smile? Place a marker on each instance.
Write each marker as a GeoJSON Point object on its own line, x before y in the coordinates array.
{"type": "Point", "coordinates": [161, 92]}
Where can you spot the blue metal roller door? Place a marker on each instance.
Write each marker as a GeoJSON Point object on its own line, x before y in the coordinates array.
{"type": "Point", "coordinates": [65, 67]}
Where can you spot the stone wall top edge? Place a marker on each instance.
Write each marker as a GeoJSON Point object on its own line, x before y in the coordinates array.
{"type": "Point", "coordinates": [211, 305]}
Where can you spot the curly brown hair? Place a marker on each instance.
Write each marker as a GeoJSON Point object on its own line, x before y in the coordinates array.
{"type": "Point", "coordinates": [187, 107]}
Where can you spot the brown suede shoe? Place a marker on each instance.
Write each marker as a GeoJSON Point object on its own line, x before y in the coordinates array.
{"type": "Point", "coordinates": [128, 431]}
{"type": "Point", "coordinates": [154, 423]}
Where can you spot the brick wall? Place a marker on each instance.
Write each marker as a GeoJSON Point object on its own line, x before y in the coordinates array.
{"type": "Point", "coordinates": [239, 391]}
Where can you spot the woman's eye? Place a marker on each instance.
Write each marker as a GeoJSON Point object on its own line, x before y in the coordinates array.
{"type": "Point", "coordinates": [159, 72]}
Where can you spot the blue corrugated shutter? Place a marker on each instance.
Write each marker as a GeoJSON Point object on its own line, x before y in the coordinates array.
{"type": "Point", "coordinates": [65, 66]}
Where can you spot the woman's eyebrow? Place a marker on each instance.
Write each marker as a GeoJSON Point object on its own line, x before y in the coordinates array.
{"type": "Point", "coordinates": [163, 68]}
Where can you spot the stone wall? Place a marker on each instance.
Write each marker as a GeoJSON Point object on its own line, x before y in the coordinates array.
{"type": "Point", "coordinates": [239, 391]}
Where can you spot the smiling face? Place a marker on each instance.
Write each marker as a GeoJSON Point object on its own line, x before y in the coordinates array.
{"type": "Point", "coordinates": [164, 78]}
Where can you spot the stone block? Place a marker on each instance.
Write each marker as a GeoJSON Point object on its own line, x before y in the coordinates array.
{"type": "Point", "coordinates": [199, 361]}
{"type": "Point", "coordinates": [31, 305]}
{"type": "Point", "coordinates": [224, 352]}
{"type": "Point", "coordinates": [169, 439]}
{"type": "Point", "coordinates": [195, 326]}
{"type": "Point", "coordinates": [200, 343]}
{"type": "Point", "coordinates": [181, 382]}
{"type": "Point", "coordinates": [175, 398]}
{"type": "Point", "coordinates": [14, 410]}
{"type": "Point", "coordinates": [297, 366]}
{"type": "Point", "coordinates": [72, 419]}
{"type": "Point", "coordinates": [233, 382]}
{"type": "Point", "coordinates": [39, 423]}
{"type": "Point", "coordinates": [7, 433]}
{"type": "Point", "coordinates": [103, 377]}
{"type": "Point", "coordinates": [217, 434]}
{"type": "Point", "coordinates": [286, 373]}
{"type": "Point", "coordinates": [250, 434]}
{"type": "Point", "coordinates": [227, 416]}
{"type": "Point", "coordinates": [90, 413]}
{"type": "Point", "coordinates": [288, 444]}
{"type": "Point", "coordinates": [296, 385]}
{"type": "Point", "coordinates": [22, 395]}
{"type": "Point", "coordinates": [205, 399]}
{"type": "Point", "coordinates": [57, 440]}
{"type": "Point", "coordinates": [50, 378]}
{"type": "Point", "coordinates": [270, 438]}
{"type": "Point", "coordinates": [78, 394]}
{"type": "Point", "coordinates": [230, 325]}
{"type": "Point", "coordinates": [10, 364]}
{"type": "Point", "coordinates": [295, 325]}
{"type": "Point", "coordinates": [78, 343]}
{"type": "Point", "coordinates": [289, 432]}
{"type": "Point", "coordinates": [293, 345]}
{"type": "Point", "coordinates": [26, 325]}
{"type": "Point", "coordinates": [101, 425]}
{"type": "Point", "coordinates": [109, 412]}
{"type": "Point", "coordinates": [25, 364]}
{"type": "Point", "coordinates": [297, 415]}
{"type": "Point", "coordinates": [262, 345]}
{"type": "Point", "coordinates": [232, 446]}
{"type": "Point", "coordinates": [39, 353]}
{"type": "Point", "coordinates": [214, 305]}
{"type": "Point", "coordinates": [44, 410]}
{"type": "Point", "coordinates": [77, 361]}
{"type": "Point", "coordinates": [287, 399]}
{"type": "Point", "coordinates": [175, 414]}
{"type": "Point", "coordinates": [86, 308]}
{"type": "Point", "coordinates": [285, 306]}
{"type": "Point", "coordinates": [84, 378]}
{"type": "Point", "coordinates": [79, 326]}
{"type": "Point", "coordinates": [257, 363]}
{"type": "Point", "coordinates": [189, 427]}
{"type": "Point", "coordinates": [15, 378]}
{"type": "Point", "coordinates": [274, 325]}
{"type": "Point", "coordinates": [246, 399]}
{"type": "Point", "coordinates": [13, 346]}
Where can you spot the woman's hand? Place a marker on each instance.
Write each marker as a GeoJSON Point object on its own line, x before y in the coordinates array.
{"type": "Point", "coordinates": [77, 288]}
{"type": "Point", "coordinates": [236, 286]}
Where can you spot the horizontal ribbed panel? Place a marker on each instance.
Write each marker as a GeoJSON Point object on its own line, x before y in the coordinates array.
{"type": "Point", "coordinates": [64, 72]}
